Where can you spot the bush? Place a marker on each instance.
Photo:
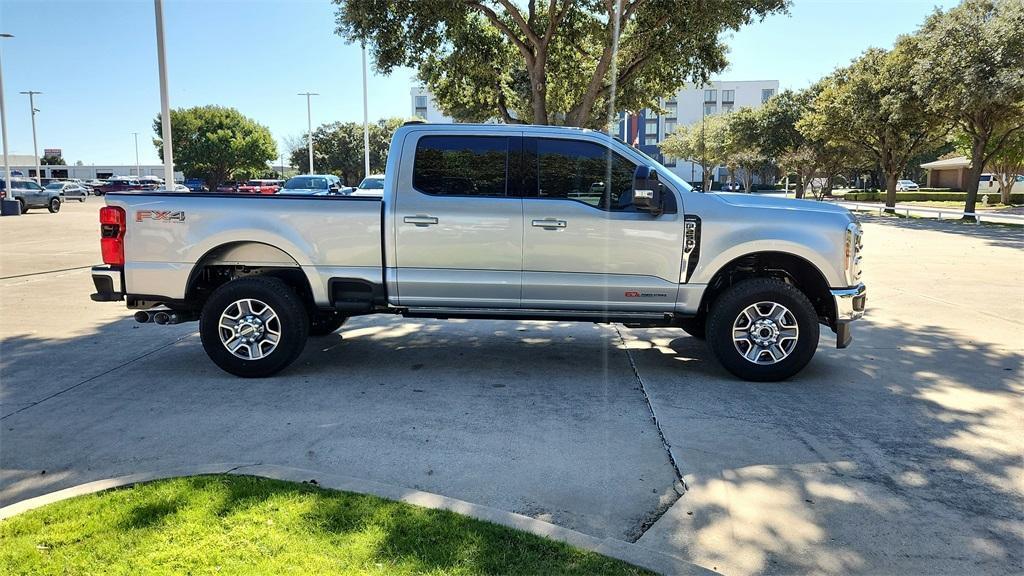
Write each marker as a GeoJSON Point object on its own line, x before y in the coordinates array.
{"type": "Point", "coordinates": [929, 196]}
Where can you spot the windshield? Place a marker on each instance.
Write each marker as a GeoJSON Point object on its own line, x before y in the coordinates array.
{"type": "Point", "coordinates": [372, 184]}
{"type": "Point", "coordinates": [306, 182]}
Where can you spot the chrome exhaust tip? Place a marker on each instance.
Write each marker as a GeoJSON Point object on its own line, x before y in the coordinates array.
{"type": "Point", "coordinates": [161, 318]}
{"type": "Point", "coordinates": [143, 317]}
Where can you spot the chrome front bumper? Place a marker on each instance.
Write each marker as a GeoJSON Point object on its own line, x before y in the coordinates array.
{"type": "Point", "coordinates": [850, 305]}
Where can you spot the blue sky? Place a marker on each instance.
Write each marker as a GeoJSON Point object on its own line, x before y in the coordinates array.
{"type": "Point", "coordinates": [95, 61]}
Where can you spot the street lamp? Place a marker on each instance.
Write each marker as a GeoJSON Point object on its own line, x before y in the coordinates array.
{"type": "Point", "coordinates": [9, 205]}
{"type": "Point", "coordinates": [309, 125]}
{"type": "Point", "coordinates": [366, 123]}
{"type": "Point", "coordinates": [138, 170]}
{"type": "Point", "coordinates": [165, 106]}
{"type": "Point", "coordinates": [35, 147]}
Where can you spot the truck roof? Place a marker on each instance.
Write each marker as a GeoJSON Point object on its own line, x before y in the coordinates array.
{"type": "Point", "coordinates": [470, 127]}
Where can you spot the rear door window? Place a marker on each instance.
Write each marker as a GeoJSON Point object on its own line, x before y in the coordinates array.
{"type": "Point", "coordinates": [461, 166]}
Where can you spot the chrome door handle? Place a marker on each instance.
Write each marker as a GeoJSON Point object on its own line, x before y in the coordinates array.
{"type": "Point", "coordinates": [549, 223]}
{"type": "Point", "coordinates": [420, 220]}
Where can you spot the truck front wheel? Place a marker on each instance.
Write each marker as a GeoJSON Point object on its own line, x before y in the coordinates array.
{"type": "Point", "coordinates": [763, 330]}
{"type": "Point", "coordinates": [254, 327]}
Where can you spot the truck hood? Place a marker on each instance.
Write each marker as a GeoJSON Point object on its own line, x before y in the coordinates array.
{"type": "Point", "coordinates": [774, 202]}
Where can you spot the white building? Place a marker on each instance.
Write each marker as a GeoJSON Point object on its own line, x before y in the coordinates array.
{"type": "Point", "coordinates": [424, 106]}
{"type": "Point", "coordinates": [26, 165]}
{"type": "Point", "coordinates": [688, 106]}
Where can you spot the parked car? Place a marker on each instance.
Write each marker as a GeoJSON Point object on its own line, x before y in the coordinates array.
{"type": "Point", "coordinates": [907, 186]}
{"type": "Point", "coordinates": [459, 235]}
{"type": "Point", "coordinates": [196, 185]}
{"type": "Point", "coordinates": [32, 195]}
{"type": "Point", "coordinates": [370, 186]}
{"type": "Point", "coordinates": [151, 182]}
{"type": "Point", "coordinates": [118, 184]}
{"type": "Point", "coordinates": [313, 184]}
{"type": "Point", "coordinates": [260, 187]}
{"type": "Point", "coordinates": [229, 187]}
{"type": "Point", "coordinates": [732, 187]}
{"type": "Point", "coordinates": [69, 190]}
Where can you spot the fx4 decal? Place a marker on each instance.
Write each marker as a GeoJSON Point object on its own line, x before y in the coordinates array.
{"type": "Point", "coordinates": [160, 215]}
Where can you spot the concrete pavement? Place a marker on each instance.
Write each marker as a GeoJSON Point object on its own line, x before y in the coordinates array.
{"type": "Point", "coordinates": [901, 454]}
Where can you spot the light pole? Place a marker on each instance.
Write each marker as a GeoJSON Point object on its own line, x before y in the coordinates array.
{"type": "Point", "coordinates": [366, 123]}
{"type": "Point", "coordinates": [9, 204]}
{"type": "Point", "coordinates": [309, 125]}
{"type": "Point", "coordinates": [165, 106]}
{"type": "Point", "coordinates": [138, 170]}
{"type": "Point", "coordinates": [35, 146]}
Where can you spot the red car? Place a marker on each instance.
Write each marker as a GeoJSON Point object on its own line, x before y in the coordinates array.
{"type": "Point", "coordinates": [260, 187]}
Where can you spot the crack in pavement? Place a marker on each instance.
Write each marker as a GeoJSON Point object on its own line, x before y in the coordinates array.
{"type": "Point", "coordinates": [45, 272]}
{"type": "Point", "coordinates": [91, 378]}
{"type": "Point", "coordinates": [652, 518]}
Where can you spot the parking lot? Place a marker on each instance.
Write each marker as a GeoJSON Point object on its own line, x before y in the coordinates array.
{"type": "Point", "coordinates": [901, 454]}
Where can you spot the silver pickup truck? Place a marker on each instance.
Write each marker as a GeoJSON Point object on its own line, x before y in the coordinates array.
{"type": "Point", "coordinates": [491, 222]}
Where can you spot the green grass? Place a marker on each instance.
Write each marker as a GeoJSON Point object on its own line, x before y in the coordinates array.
{"type": "Point", "coordinates": [245, 525]}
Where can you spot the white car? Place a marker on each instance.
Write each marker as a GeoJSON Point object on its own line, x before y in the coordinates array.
{"type": "Point", "coordinates": [370, 186]}
{"type": "Point", "coordinates": [69, 190]}
{"type": "Point", "coordinates": [907, 186]}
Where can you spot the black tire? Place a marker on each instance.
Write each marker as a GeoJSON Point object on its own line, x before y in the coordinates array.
{"type": "Point", "coordinates": [54, 205]}
{"type": "Point", "coordinates": [325, 323]}
{"type": "Point", "coordinates": [727, 309]}
{"type": "Point", "coordinates": [24, 208]}
{"type": "Point", "coordinates": [291, 316]}
{"type": "Point", "coordinates": [696, 326]}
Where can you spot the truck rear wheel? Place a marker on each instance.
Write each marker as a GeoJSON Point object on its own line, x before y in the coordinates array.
{"type": "Point", "coordinates": [763, 330]}
{"type": "Point", "coordinates": [254, 327]}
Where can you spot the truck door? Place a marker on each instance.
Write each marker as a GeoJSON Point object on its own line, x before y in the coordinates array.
{"type": "Point", "coordinates": [458, 221]}
{"type": "Point", "coordinates": [585, 246]}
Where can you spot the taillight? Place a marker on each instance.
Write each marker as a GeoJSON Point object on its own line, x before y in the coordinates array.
{"type": "Point", "coordinates": [112, 224]}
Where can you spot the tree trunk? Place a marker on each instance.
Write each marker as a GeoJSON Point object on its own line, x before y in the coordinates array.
{"type": "Point", "coordinates": [890, 192]}
{"type": "Point", "coordinates": [799, 191]}
{"type": "Point", "coordinates": [974, 175]}
{"type": "Point", "coordinates": [538, 84]}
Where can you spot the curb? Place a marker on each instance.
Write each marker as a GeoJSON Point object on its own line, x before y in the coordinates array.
{"type": "Point", "coordinates": [612, 547]}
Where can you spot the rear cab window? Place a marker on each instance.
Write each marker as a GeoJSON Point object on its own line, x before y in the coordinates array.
{"type": "Point", "coordinates": [461, 166]}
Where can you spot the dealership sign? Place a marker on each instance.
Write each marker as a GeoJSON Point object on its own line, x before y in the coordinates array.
{"type": "Point", "coordinates": [52, 152]}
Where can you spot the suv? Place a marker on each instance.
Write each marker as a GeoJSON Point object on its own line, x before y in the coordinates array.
{"type": "Point", "coordinates": [32, 195]}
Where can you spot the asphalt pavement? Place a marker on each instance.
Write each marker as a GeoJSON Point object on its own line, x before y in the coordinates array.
{"type": "Point", "coordinates": [901, 454]}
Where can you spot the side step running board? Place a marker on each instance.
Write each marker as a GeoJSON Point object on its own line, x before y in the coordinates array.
{"type": "Point", "coordinates": [640, 318]}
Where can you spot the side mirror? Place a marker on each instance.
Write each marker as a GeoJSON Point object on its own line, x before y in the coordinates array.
{"type": "Point", "coordinates": [647, 190]}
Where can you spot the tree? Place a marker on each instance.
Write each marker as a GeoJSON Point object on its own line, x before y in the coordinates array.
{"type": "Point", "coordinates": [51, 161]}
{"type": "Point", "coordinates": [744, 151]}
{"type": "Point", "coordinates": [1004, 164]}
{"type": "Point", "coordinates": [558, 62]}
{"type": "Point", "coordinates": [338, 149]}
{"type": "Point", "coordinates": [967, 69]}
{"type": "Point", "coordinates": [216, 143]}
{"type": "Point", "coordinates": [705, 142]}
{"type": "Point", "coordinates": [780, 140]}
{"type": "Point", "coordinates": [869, 106]}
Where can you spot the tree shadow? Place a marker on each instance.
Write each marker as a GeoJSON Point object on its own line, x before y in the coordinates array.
{"type": "Point", "coordinates": [902, 453]}
{"type": "Point", "coordinates": [993, 233]}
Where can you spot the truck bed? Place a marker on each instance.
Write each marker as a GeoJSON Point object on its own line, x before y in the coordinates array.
{"type": "Point", "coordinates": [327, 236]}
